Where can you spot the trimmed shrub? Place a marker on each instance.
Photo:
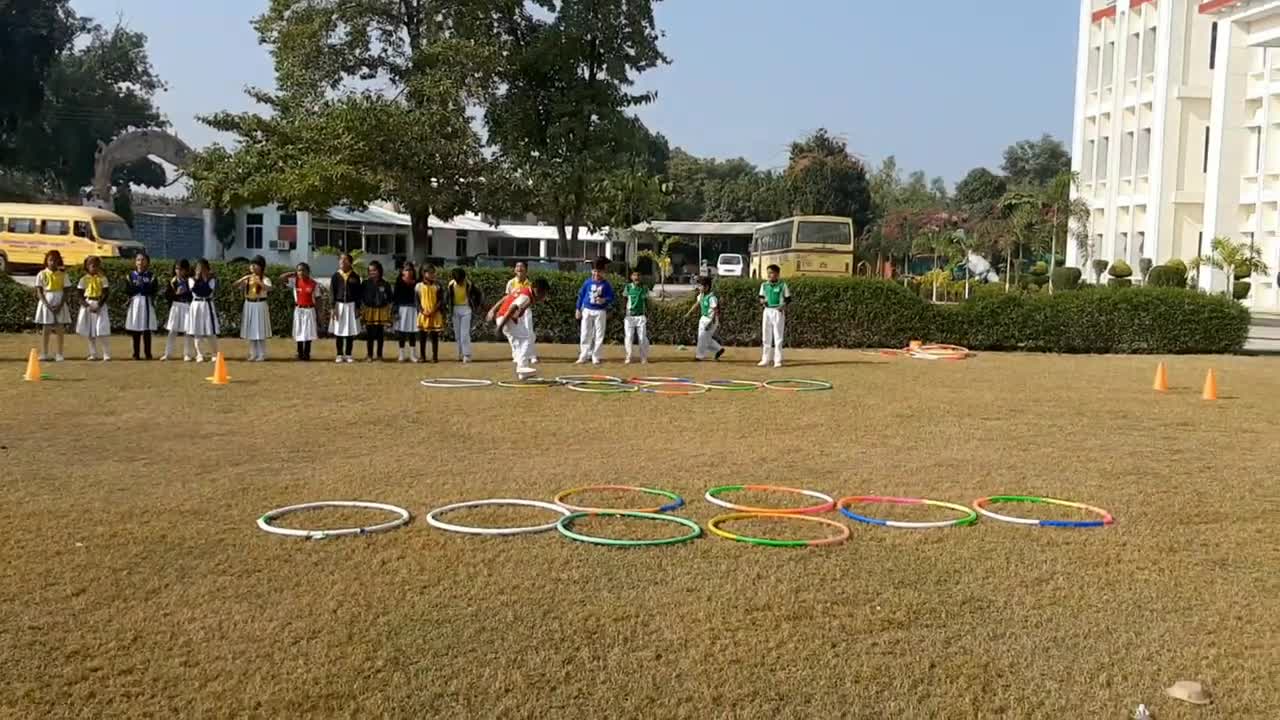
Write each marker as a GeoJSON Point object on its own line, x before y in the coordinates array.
{"type": "Point", "coordinates": [1167, 276]}
{"type": "Point", "coordinates": [1099, 267]}
{"type": "Point", "coordinates": [1177, 265]}
{"type": "Point", "coordinates": [1066, 278]}
{"type": "Point", "coordinates": [845, 313]}
{"type": "Point", "coordinates": [1242, 273]}
{"type": "Point", "coordinates": [1119, 282]}
{"type": "Point", "coordinates": [1120, 269]}
{"type": "Point", "coordinates": [1241, 289]}
{"type": "Point", "coordinates": [1144, 267]}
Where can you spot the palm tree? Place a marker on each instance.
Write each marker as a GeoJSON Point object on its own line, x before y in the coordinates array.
{"type": "Point", "coordinates": [1234, 257]}
{"type": "Point", "coordinates": [1024, 211]}
{"type": "Point", "coordinates": [1064, 210]}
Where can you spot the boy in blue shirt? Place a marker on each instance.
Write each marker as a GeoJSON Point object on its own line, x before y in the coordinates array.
{"type": "Point", "coordinates": [594, 299]}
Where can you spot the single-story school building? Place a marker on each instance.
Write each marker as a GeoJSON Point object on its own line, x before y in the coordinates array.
{"type": "Point", "coordinates": [288, 238]}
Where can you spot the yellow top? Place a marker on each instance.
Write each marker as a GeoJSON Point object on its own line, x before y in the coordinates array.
{"type": "Point", "coordinates": [93, 285]}
{"type": "Point", "coordinates": [459, 293]}
{"type": "Point", "coordinates": [428, 298]}
{"type": "Point", "coordinates": [257, 287]}
{"type": "Point", "coordinates": [515, 284]}
{"type": "Point", "coordinates": [52, 280]}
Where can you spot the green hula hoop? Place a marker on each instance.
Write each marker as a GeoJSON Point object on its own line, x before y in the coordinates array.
{"type": "Point", "coordinates": [529, 383]}
{"type": "Point", "coordinates": [798, 385]}
{"type": "Point", "coordinates": [563, 526]}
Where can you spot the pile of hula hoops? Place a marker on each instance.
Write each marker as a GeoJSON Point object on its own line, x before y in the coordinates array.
{"type": "Point", "coordinates": [936, 351]}
{"type": "Point", "coordinates": [652, 385]}
{"type": "Point", "coordinates": [565, 515]}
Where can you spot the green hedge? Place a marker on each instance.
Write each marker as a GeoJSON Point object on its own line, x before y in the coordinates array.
{"type": "Point", "coordinates": [846, 313]}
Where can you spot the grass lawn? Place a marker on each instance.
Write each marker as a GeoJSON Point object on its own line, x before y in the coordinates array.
{"type": "Point", "coordinates": [134, 582]}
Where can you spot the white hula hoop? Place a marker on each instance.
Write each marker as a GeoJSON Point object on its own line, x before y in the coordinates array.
{"type": "Point", "coordinates": [601, 387]}
{"type": "Point", "coordinates": [435, 522]}
{"type": "Point", "coordinates": [797, 491]}
{"type": "Point", "coordinates": [566, 379]}
{"type": "Point", "coordinates": [264, 522]}
{"type": "Point", "coordinates": [455, 383]}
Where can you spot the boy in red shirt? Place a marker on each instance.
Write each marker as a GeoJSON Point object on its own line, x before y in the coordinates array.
{"type": "Point", "coordinates": [508, 313]}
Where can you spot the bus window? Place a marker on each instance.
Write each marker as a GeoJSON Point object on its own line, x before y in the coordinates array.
{"type": "Point", "coordinates": [112, 230]}
{"type": "Point", "coordinates": [81, 229]}
{"type": "Point", "coordinates": [22, 226]}
{"type": "Point", "coordinates": [55, 227]}
{"type": "Point", "coordinates": [831, 234]}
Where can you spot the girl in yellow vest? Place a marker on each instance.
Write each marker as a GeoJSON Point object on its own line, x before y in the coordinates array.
{"type": "Point", "coordinates": [94, 321]}
{"type": "Point", "coordinates": [52, 314]}
{"type": "Point", "coordinates": [430, 314]}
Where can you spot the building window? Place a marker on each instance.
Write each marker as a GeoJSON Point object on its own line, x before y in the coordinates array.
{"type": "Point", "coordinates": [1095, 56]}
{"type": "Point", "coordinates": [1206, 149]}
{"type": "Point", "coordinates": [1213, 46]}
{"type": "Point", "coordinates": [1144, 152]}
{"type": "Point", "coordinates": [289, 219]}
{"type": "Point", "coordinates": [1255, 142]}
{"type": "Point", "coordinates": [402, 244]}
{"type": "Point", "coordinates": [1123, 250]}
{"type": "Point", "coordinates": [460, 246]}
{"type": "Point", "coordinates": [1088, 160]}
{"type": "Point", "coordinates": [56, 227]}
{"type": "Point", "coordinates": [1142, 244]}
{"type": "Point", "coordinates": [1104, 148]}
{"type": "Point", "coordinates": [1131, 56]}
{"type": "Point", "coordinates": [253, 231]}
{"type": "Point", "coordinates": [1126, 155]}
{"type": "Point", "coordinates": [1109, 65]}
{"type": "Point", "coordinates": [379, 243]}
{"type": "Point", "coordinates": [1149, 52]}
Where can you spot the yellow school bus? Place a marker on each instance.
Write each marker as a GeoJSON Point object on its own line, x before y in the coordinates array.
{"type": "Point", "coordinates": [27, 232]}
{"type": "Point", "coordinates": [816, 245]}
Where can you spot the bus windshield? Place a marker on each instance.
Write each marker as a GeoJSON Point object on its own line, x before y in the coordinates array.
{"type": "Point", "coordinates": [830, 234]}
{"type": "Point", "coordinates": [112, 230]}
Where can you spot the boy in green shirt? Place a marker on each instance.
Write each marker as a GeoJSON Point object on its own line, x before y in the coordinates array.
{"type": "Point", "coordinates": [708, 307]}
{"type": "Point", "coordinates": [774, 298]}
{"type": "Point", "coordinates": [637, 302]}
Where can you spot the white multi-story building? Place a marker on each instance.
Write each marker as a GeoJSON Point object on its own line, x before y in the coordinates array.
{"type": "Point", "coordinates": [1177, 131]}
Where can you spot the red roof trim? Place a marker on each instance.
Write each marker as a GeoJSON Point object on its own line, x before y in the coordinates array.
{"type": "Point", "coordinates": [1213, 6]}
{"type": "Point", "coordinates": [1100, 15]}
{"type": "Point", "coordinates": [1138, 3]}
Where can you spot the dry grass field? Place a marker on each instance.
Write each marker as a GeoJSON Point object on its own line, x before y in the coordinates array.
{"type": "Point", "coordinates": [134, 582]}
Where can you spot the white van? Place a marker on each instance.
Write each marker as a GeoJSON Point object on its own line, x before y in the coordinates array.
{"type": "Point", "coordinates": [730, 265]}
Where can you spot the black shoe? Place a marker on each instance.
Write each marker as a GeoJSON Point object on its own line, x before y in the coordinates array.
{"type": "Point", "coordinates": [719, 353]}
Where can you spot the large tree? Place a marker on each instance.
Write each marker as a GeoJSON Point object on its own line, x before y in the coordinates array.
{"type": "Point", "coordinates": [372, 103]}
{"type": "Point", "coordinates": [823, 178]}
{"type": "Point", "coordinates": [561, 119]}
{"type": "Point", "coordinates": [980, 191]}
{"type": "Point", "coordinates": [1035, 163]}
{"type": "Point", "coordinates": [92, 94]}
{"type": "Point", "coordinates": [35, 34]}
{"type": "Point", "coordinates": [733, 190]}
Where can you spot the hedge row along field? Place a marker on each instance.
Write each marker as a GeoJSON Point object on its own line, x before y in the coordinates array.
{"type": "Point", "coordinates": [853, 313]}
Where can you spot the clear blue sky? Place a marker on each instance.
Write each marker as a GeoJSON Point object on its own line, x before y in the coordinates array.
{"type": "Point", "coordinates": [944, 85]}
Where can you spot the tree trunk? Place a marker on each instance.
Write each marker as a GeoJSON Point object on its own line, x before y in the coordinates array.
{"type": "Point", "coordinates": [420, 226]}
{"type": "Point", "coordinates": [1008, 270]}
{"type": "Point", "coordinates": [1053, 249]}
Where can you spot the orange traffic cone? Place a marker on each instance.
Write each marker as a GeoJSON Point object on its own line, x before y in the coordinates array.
{"type": "Point", "coordinates": [33, 367]}
{"type": "Point", "coordinates": [1210, 386]}
{"type": "Point", "coordinates": [1162, 379]}
{"type": "Point", "coordinates": [220, 376]}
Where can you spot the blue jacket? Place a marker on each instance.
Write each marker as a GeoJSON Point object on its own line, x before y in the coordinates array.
{"type": "Point", "coordinates": [595, 295]}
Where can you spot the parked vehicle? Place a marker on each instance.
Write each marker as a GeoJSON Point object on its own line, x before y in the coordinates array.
{"type": "Point", "coordinates": [730, 265]}
{"type": "Point", "coordinates": [27, 232]}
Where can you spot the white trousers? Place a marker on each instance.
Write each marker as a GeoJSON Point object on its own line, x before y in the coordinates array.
{"type": "Point", "coordinates": [527, 320]}
{"type": "Point", "coordinates": [640, 325]}
{"type": "Point", "coordinates": [462, 330]}
{"type": "Point", "coordinates": [707, 345]}
{"type": "Point", "coordinates": [773, 326]}
{"type": "Point", "coordinates": [591, 334]}
{"type": "Point", "coordinates": [521, 343]}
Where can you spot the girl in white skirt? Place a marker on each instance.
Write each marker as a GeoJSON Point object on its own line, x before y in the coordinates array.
{"type": "Point", "coordinates": [52, 314]}
{"type": "Point", "coordinates": [255, 321]}
{"type": "Point", "coordinates": [140, 320]}
{"type": "Point", "coordinates": [405, 320]}
{"type": "Point", "coordinates": [202, 322]}
{"type": "Point", "coordinates": [346, 290]}
{"type": "Point", "coordinates": [94, 322]}
{"type": "Point", "coordinates": [178, 293]}
{"type": "Point", "coordinates": [304, 310]}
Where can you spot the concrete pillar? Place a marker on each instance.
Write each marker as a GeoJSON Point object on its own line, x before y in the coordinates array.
{"type": "Point", "coordinates": [211, 246]}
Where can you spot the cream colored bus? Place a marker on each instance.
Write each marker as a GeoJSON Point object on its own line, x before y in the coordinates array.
{"type": "Point", "coordinates": [815, 245]}
{"type": "Point", "coordinates": [27, 232]}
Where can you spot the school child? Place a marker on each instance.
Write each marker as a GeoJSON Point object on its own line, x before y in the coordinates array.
{"type": "Point", "coordinates": [52, 314]}
{"type": "Point", "coordinates": [521, 280]}
{"type": "Point", "coordinates": [376, 308]}
{"type": "Point", "coordinates": [94, 321]}
{"type": "Point", "coordinates": [508, 313]}
{"type": "Point", "coordinates": [202, 321]}
{"type": "Point", "coordinates": [255, 321]}
{"type": "Point", "coordinates": [405, 297]}
{"type": "Point", "coordinates": [637, 303]}
{"type": "Point", "coordinates": [178, 293]}
{"type": "Point", "coordinates": [140, 320]}
{"type": "Point", "coordinates": [430, 314]}
{"type": "Point", "coordinates": [594, 298]}
{"type": "Point", "coordinates": [346, 290]}
{"type": "Point", "coordinates": [463, 298]}
{"type": "Point", "coordinates": [774, 298]}
{"type": "Point", "coordinates": [708, 307]}
{"type": "Point", "coordinates": [305, 328]}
